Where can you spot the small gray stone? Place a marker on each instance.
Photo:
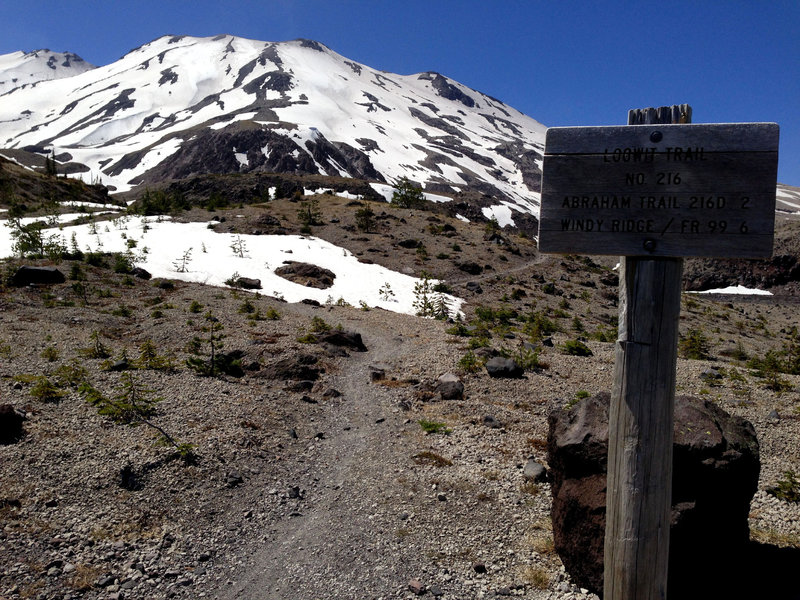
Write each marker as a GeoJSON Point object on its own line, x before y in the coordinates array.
{"type": "Point", "coordinates": [533, 471]}
{"type": "Point", "coordinates": [450, 387]}
{"type": "Point", "coordinates": [710, 375]}
{"type": "Point", "coordinates": [503, 367]}
{"type": "Point", "coordinates": [474, 287]}
{"type": "Point", "coordinates": [120, 365]}
{"type": "Point", "coordinates": [491, 422]}
{"type": "Point", "coordinates": [233, 478]}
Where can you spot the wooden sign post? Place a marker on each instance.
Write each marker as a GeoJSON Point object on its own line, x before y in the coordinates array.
{"type": "Point", "coordinates": [654, 191]}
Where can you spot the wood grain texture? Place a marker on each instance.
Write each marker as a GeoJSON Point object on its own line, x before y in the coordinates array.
{"type": "Point", "coordinates": [641, 430]}
{"type": "Point", "coordinates": [640, 425]}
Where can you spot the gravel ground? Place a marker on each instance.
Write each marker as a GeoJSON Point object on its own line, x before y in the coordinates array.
{"type": "Point", "coordinates": [331, 490]}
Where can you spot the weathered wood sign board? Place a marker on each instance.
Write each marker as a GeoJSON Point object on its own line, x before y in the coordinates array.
{"type": "Point", "coordinates": [660, 190]}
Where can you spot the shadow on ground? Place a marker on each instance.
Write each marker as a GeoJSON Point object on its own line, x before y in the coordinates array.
{"type": "Point", "coordinates": [761, 571]}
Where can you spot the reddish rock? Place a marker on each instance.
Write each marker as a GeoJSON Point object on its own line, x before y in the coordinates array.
{"type": "Point", "coordinates": [715, 474]}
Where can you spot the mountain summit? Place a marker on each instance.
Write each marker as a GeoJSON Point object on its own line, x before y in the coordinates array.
{"type": "Point", "coordinates": [180, 106]}
{"type": "Point", "coordinates": [26, 69]}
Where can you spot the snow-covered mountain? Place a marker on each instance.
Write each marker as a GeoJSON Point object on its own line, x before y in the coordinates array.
{"type": "Point", "coordinates": [180, 106]}
{"type": "Point", "coordinates": [26, 69]}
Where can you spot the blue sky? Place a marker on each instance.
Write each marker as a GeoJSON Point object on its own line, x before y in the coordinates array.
{"type": "Point", "coordinates": [560, 62]}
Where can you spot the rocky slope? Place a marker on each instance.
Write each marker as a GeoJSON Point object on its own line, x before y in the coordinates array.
{"type": "Point", "coordinates": [322, 471]}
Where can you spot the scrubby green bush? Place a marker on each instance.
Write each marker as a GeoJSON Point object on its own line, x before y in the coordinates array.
{"type": "Point", "coordinates": [149, 358]}
{"type": "Point", "coordinates": [434, 427]}
{"type": "Point", "coordinates": [134, 405]}
{"type": "Point", "coordinates": [247, 307]}
{"type": "Point", "coordinates": [71, 374]}
{"type": "Point", "coordinates": [694, 346]}
{"type": "Point", "coordinates": [365, 218]}
{"type": "Point", "coordinates": [309, 213]}
{"type": "Point", "coordinates": [604, 334]}
{"type": "Point", "coordinates": [470, 362]}
{"type": "Point", "coordinates": [787, 488]}
{"type": "Point", "coordinates": [576, 348]}
{"type": "Point", "coordinates": [50, 354]}
{"type": "Point", "coordinates": [319, 325]}
{"type": "Point", "coordinates": [407, 195]}
{"type": "Point", "coordinates": [45, 390]}
{"type": "Point", "coordinates": [213, 362]}
{"type": "Point", "coordinates": [528, 359]}
{"type": "Point", "coordinates": [538, 326]}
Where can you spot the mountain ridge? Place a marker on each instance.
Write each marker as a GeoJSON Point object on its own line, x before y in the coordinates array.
{"type": "Point", "coordinates": [162, 111]}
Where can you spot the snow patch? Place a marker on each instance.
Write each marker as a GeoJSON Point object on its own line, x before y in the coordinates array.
{"type": "Point", "coordinates": [384, 190]}
{"type": "Point", "coordinates": [736, 289]}
{"type": "Point", "coordinates": [212, 261]}
{"type": "Point", "coordinates": [501, 212]}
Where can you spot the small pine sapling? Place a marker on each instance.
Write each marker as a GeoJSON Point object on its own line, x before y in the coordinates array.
{"type": "Point", "coordinates": [134, 405]}
{"type": "Point", "coordinates": [149, 358]}
{"type": "Point", "coordinates": [97, 349]}
{"type": "Point", "coordinates": [215, 362]}
{"type": "Point", "coordinates": [423, 296]}
{"type": "Point", "coordinates": [239, 247]}
{"type": "Point", "coordinates": [181, 265]}
{"type": "Point", "coordinates": [407, 195]}
{"type": "Point", "coordinates": [386, 293]}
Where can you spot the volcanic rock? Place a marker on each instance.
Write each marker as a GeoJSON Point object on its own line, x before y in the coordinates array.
{"type": "Point", "coordinates": [307, 274]}
{"type": "Point", "coordinates": [715, 474]}
{"type": "Point", "coordinates": [27, 275]}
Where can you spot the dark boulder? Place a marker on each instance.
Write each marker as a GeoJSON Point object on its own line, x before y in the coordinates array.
{"type": "Point", "coordinates": [474, 287]}
{"type": "Point", "coordinates": [499, 366]}
{"type": "Point", "coordinates": [306, 274]}
{"type": "Point", "coordinates": [491, 422]}
{"type": "Point", "coordinates": [300, 367]}
{"type": "Point", "coordinates": [715, 474]}
{"type": "Point", "coordinates": [26, 275]}
{"type": "Point", "coordinates": [10, 424]}
{"type": "Point", "coordinates": [344, 339]}
{"type": "Point", "coordinates": [471, 267]}
{"type": "Point", "coordinates": [141, 273]}
{"type": "Point", "coordinates": [248, 283]}
{"type": "Point", "coordinates": [450, 387]}
{"type": "Point", "coordinates": [610, 279]}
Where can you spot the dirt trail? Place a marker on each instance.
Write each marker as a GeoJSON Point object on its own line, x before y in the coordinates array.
{"type": "Point", "coordinates": [335, 544]}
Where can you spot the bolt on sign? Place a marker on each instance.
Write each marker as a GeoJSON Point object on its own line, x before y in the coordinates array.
{"type": "Point", "coordinates": [660, 190]}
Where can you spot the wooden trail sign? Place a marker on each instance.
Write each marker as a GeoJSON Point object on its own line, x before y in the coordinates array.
{"type": "Point", "coordinates": [636, 192]}
{"type": "Point", "coordinates": [663, 190]}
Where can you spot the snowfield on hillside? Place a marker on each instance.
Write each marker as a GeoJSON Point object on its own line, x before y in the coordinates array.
{"type": "Point", "coordinates": [193, 252]}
